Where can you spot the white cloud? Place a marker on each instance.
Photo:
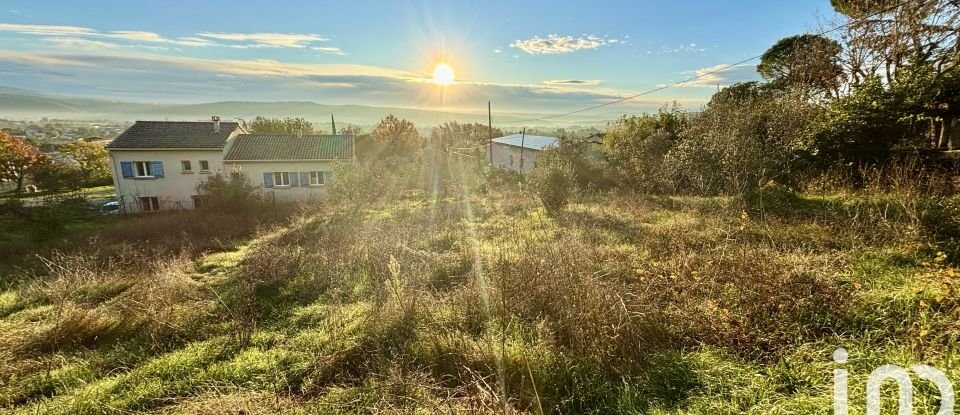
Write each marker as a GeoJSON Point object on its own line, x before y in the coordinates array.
{"type": "Point", "coordinates": [328, 49]}
{"type": "Point", "coordinates": [79, 43]}
{"type": "Point", "coordinates": [554, 43]}
{"type": "Point", "coordinates": [271, 40]}
{"type": "Point", "coordinates": [721, 75]}
{"type": "Point", "coordinates": [497, 51]}
{"type": "Point", "coordinates": [46, 30]}
{"type": "Point", "coordinates": [572, 82]}
{"type": "Point", "coordinates": [682, 48]}
{"type": "Point", "coordinates": [140, 38]}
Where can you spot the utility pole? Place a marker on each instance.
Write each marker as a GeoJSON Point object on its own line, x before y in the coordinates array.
{"type": "Point", "coordinates": [523, 137]}
{"type": "Point", "coordinates": [490, 131]}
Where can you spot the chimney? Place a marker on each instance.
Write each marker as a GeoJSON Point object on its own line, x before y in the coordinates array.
{"type": "Point", "coordinates": [216, 123]}
{"type": "Point", "coordinates": [299, 132]}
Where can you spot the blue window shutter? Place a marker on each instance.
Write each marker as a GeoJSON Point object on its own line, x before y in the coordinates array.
{"type": "Point", "coordinates": [305, 178]}
{"type": "Point", "coordinates": [327, 177]}
{"type": "Point", "coordinates": [293, 178]}
{"type": "Point", "coordinates": [126, 169]}
{"type": "Point", "coordinates": [268, 179]}
{"type": "Point", "coordinates": [156, 167]}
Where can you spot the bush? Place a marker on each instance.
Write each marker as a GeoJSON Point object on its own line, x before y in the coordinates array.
{"type": "Point", "coordinates": [233, 194]}
{"type": "Point", "coordinates": [552, 181]}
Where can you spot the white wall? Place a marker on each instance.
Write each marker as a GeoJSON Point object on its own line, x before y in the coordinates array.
{"type": "Point", "coordinates": [175, 189]}
{"type": "Point", "coordinates": [502, 153]}
{"type": "Point", "coordinates": [254, 170]}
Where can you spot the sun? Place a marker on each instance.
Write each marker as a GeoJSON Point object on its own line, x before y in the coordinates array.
{"type": "Point", "coordinates": [443, 74]}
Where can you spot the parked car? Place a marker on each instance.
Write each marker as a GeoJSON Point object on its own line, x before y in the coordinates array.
{"type": "Point", "coordinates": [110, 208]}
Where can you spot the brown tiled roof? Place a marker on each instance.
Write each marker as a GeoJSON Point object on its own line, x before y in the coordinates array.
{"type": "Point", "coordinates": [291, 147]}
{"type": "Point", "coordinates": [174, 134]}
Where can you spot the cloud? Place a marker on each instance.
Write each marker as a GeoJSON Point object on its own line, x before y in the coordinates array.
{"type": "Point", "coordinates": [79, 43]}
{"type": "Point", "coordinates": [150, 77]}
{"type": "Point", "coordinates": [553, 44]}
{"type": "Point", "coordinates": [722, 75]}
{"type": "Point", "coordinates": [270, 40]}
{"type": "Point", "coordinates": [683, 48]}
{"type": "Point", "coordinates": [576, 82]}
{"type": "Point", "coordinates": [136, 38]}
{"type": "Point", "coordinates": [46, 30]}
{"type": "Point", "coordinates": [328, 49]}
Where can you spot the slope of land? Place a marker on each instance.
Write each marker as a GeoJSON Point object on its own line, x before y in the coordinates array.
{"type": "Point", "coordinates": [472, 300]}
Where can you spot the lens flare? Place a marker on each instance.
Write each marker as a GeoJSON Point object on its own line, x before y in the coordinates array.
{"type": "Point", "coordinates": [443, 74]}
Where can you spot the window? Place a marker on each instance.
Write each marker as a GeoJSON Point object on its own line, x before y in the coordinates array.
{"type": "Point", "coordinates": [143, 169]}
{"type": "Point", "coordinates": [281, 178]}
{"type": "Point", "coordinates": [186, 166]}
{"type": "Point", "coordinates": [204, 165]}
{"type": "Point", "coordinates": [316, 178]}
{"type": "Point", "coordinates": [149, 204]}
{"type": "Point", "coordinates": [197, 201]}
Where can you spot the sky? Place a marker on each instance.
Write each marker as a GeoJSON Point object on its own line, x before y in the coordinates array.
{"type": "Point", "coordinates": [523, 56]}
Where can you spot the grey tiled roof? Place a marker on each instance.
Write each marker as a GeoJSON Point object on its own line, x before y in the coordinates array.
{"type": "Point", "coordinates": [174, 134]}
{"type": "Point", "coordinates": [291, 147]}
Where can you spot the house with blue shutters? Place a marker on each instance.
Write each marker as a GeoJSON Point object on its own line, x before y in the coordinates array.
{"type": "Point", "coordinates": [157, 165]}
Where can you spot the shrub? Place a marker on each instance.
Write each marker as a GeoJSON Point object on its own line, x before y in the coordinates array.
{"type": "Point", "coordinates": [552, 181]}
{"type": "Point", "coordinates": [229, 194]}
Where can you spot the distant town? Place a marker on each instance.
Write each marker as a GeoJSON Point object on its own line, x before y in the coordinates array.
{"type": "Point", "coordinates": [45, 132]}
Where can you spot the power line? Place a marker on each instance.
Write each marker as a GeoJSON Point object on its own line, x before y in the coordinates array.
{"type": "Point", "coordinates": [703, 74]}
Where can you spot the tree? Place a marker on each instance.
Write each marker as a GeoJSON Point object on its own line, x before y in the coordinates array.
{"type": "Point", "coordinates": [55, 177]}
{"type": "Point", "coordinates": [462, 135]}
{"type": "Point", "coordinates": [90, 159]}
{"type": "Point", "coordinates": [552, 181]}
{"type": "Point", "coordinates": [353, 130]}
{"type": "Point", "coordinates": [398, 135]}
{"type": "Point", "coordinates": [16, 159]}
{"type": "Point", "coordinates": [635, 147]}
{"type": "Point", "coordinates": [287, 125]}
{"type": "Point", "coordinates": [233, 193]}
{"type": "Point", "coordinates": [745, 138]}
{"type": "Point", "coordinates": [807, 62]}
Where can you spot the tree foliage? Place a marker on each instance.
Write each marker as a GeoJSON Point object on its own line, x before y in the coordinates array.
{"type": "Point", "coordinates": [809, 63]}
{"type": "Point", "coordinates": [90, 161]}
{"type": "Point", "coordinates": [635, 147]}
{"type": "Point", "coordinates": [552, 181]}
{"type": "Point", "coordinates": [454, 134]}
{"type": "Point", "coordinates": [286, 125]}
{"type": "Point", "coordinates": [397, 136]}
{"type": "Point", "coordinates": [16, 159]}
{"type": "Point", "coordinates": [228, 193]}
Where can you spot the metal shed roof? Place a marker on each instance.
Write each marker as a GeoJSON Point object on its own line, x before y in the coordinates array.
{"type": "Point", "coordinates": [533, 142]}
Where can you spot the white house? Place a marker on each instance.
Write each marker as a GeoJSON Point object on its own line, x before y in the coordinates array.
{"type": "Point", "coordinates": [518, 152]}
{"type": "Point", "coordinates": [158, 164]}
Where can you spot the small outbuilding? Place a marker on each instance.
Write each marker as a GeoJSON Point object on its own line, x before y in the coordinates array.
{"type": "Point", "coordinates": [519, 152]}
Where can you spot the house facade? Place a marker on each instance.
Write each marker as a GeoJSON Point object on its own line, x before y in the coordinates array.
{"type": "Point", "coordinates": [518, 153]}
{"type": "Point", "coordinates": [157, 165]}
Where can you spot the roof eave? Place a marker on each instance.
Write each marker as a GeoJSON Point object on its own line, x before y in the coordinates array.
{"type": "Point", "coordinates": [165, 148]}
{"type": "Point", "coordinates": [275, 160]}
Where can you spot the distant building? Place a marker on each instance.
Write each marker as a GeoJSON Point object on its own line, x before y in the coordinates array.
{"type": "Point", "coordinates": [157, 165]}
{"type": "Point", "coordinates": [518, 153]}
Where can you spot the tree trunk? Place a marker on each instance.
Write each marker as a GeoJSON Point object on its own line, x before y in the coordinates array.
{"type": "Point", "coordinates": [20, 184]}
{"type": "Point", "coordinates": [946, 131]}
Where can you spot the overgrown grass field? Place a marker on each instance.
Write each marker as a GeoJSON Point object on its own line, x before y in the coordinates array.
{"type": "Point", "coordinates": [463, 295]}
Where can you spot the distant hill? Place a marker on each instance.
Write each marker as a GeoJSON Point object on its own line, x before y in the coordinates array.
{"type": "Point", "coordinates": [20, 103]}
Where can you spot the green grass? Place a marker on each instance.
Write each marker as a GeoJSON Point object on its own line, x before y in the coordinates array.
{"type": "Point", "coordinates": [473, 301]}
